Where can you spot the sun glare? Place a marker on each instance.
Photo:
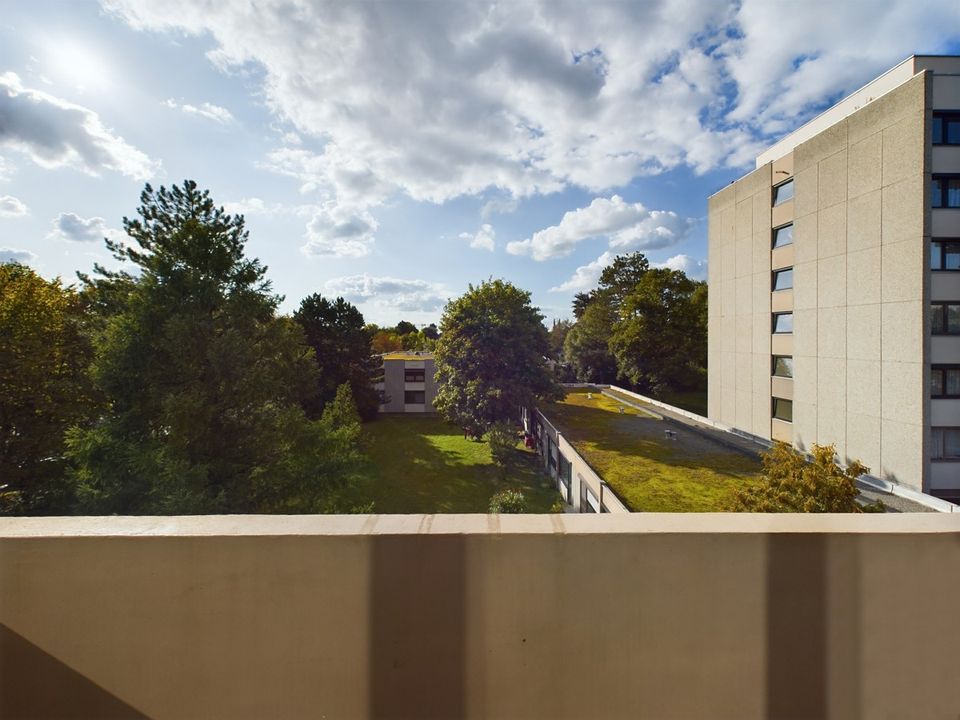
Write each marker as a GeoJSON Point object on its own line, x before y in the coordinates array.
{"type": "Point", "coordinates": [72, 62]}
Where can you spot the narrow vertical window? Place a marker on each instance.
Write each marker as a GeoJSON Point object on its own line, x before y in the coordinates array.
{"type": "Point", "coordinates": [783, 192]}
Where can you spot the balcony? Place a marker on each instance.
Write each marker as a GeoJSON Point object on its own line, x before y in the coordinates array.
{"type": "Point", "coordinates": [538, 616]}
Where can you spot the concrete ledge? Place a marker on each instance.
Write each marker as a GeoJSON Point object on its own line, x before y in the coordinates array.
{"type": "Point", "coordinates": [550, 524]}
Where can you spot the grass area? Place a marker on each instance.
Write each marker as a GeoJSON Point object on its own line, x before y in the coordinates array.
{"type": "Point", "coordinates": [695, 401]}
{"type": "Point", "coordinates": [648, 472]}
{"type": "Point", "coordinates": [422, 464]}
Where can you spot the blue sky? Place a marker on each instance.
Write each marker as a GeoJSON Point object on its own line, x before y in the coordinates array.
{"type": "Point", "coordinates": [393, 153]}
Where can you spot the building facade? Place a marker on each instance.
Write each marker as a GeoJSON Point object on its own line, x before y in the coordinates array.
{"type": "Point", "coordinates": [408, 385]}
{"type": "Point", "coordinates": [834, 273]}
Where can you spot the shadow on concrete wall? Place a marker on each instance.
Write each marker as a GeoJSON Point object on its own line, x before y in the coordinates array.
{"type": "Point", "coordinates": [34, 684]}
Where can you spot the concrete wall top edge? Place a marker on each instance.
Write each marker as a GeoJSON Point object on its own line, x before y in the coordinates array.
{"type": "Point", "coordinates": [551, 524]}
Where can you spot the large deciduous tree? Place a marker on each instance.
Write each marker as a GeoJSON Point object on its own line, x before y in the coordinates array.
{"type": "Point", "coordinates": [204, 381]}
{"type": "Point", "coordinates": [586, 348]}
{"type": "Point", "coordinates": [660, 338]}
{"type": "Point", "coordinates": [342, 349]}
{"type": "Point", "coordinates": [44, 388]}
{"type": "Point", "coordinates": [491, 357]}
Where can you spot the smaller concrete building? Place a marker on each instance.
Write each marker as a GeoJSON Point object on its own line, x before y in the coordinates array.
{"type": "Point", "coordinates": [407, 385]}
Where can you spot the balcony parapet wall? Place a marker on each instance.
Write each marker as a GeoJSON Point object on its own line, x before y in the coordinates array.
{"type": "Point", "coordinates": [694, 616]}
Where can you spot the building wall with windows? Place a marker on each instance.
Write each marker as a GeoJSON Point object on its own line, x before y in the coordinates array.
{"type": "Point", "coordinates": [408, 384]}
{"type": "Point", "coordinates": [843, 223]}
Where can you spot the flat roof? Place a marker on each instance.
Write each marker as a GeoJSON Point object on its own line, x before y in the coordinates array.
{"type": "Point", "coordinates": [408, 355]}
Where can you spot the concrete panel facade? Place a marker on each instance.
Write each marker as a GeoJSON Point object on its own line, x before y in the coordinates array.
{"type": "Point", "coordinates": [861, 337]}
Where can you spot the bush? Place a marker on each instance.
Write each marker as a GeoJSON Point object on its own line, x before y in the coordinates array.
{"type": "Point", "coordinates": [502, 442]}
{"type": "Point", "coordinates": [508, 501]}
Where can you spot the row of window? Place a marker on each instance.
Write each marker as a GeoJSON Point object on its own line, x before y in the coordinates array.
{"type": "Point", "coordinates": [946, 128]}
{"type": "Point", "coordinates": [946, 443]}
{"type": "Point", "coordinates": [783, 409]}
{"type": "Point", "coordinates": [414, 375]}
{"type": "Point", "coordinates": [414, 397]}
{"type": "Point", "coordinates": [945, 255]}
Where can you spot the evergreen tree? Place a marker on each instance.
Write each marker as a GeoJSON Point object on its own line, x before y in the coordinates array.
{"type": "Point", "coordinates": [204, 382]}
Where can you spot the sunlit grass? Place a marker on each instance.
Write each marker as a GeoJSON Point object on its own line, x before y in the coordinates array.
{"type": "Point", "coordinates": [423, 465]}
{"type": "Point", "coordinates": [647, 471]}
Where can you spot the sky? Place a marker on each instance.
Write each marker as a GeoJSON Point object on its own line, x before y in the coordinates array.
{"type": "Point", "coordinates": [394, 153]}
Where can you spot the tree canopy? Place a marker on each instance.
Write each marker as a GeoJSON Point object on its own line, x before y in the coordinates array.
{"type": "Point", "coordinates": [490, 357]}
{"type": "Point", "coordinates": [44, 387]}
{"type": "Point", "coordinates": [205, 383]}
{"type": "Point", "coordinates": [791, 483]}
{"type": "Point", "coordinates": [342, 349]}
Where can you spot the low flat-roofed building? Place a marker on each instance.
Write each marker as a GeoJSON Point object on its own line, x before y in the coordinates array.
{"type": "Point", "coordinates": [407, 385]}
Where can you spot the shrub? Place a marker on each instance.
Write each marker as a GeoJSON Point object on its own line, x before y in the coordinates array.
{"type": "Point", "coordinates": [508, 501]}
{"type": "Point", "coordinates": [502, 442]}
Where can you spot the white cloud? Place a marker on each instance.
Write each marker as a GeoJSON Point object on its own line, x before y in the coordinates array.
{"type": "Point", "coordinates": [14, 255]}
{"type": "Point", "coordinates": [483, 239]}
{"type": "Point", "coordinates": [12, 207]}
{"type": "Point", "coordinates": [6, 169]}
{"type": "Point", "coordinates": [388, 292]}
{"type": "Point", "coordinates": [339, 231]}
{"type": "Point", "coordinates": [205, 110]}
{"type": "Point", "coordinates": [72, 227]}
{"type": "Point", "coordinates": [586, 276]}
{"type": "Point", "coordinates": [691, 267]}
{"type": "Point", "coordinates": [54, 133]}
{"type": "Point", "coordinates": [627, 226]}
{"type": "Point", "coordinates": [532, 97]}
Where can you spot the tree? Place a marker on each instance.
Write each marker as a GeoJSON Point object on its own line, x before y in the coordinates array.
{"type": "Point", "coordinates": [405, 328]}
{"type": "Point", "coordinates": [205, 383]}
{"type": "Point", "coordinates": [621, 277]}
{"type": "Point", "coordinates": [580, 302]}
{"type": "Point", "coordinates": [342, 350]}
{"type": "Point", "coordinates": [660, 339]}
{"type": "Point", "coordinates": [791, 483]}
{"type": "Point", "coordinates": [490, 357]}
{"type": "Point", "coordinates": [385, 341]}
{"type": "Point", "coordinates": [586, 345]}
{"type": "Point", "coordinates": [558, 333]}
{"type": "Point", "coordinates": [417, 341]}
{"type": "Point", "coordinates": [45, 350]}
{"type": "Point", "coordinates": [430, 332]}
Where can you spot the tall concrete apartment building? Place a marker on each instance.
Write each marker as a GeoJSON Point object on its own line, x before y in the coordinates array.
{"type": "Point", "coordinates": [834, 273]}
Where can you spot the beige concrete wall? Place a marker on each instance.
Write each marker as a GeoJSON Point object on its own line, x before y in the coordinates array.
{"type": "Point", "coordinates": [571, 616]}
{"type": "Point", "coordinates": [740, 304]}
{"type": "Point", "coordinates": [859, 247]}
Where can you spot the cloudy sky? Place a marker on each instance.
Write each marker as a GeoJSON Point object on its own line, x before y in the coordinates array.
{"type": "Point", "coordinates": [393, 152]}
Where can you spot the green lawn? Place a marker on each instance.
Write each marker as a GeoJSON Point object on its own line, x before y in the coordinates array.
{"type": "Point", "coordinates": [694, 401]}
{"type": "Point", "coordinates": [421, 464]}
{"type": "Point", "coordinates": [648, 472]}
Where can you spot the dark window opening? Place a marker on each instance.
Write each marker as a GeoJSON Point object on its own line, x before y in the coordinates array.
{"type": "Point", "coordinates": [945, 381]}
{"type": "Point", "coordinates": [946, 443]}
{"type": "Point", "coordinates": [945, 318]}
{"type": "Point", "coordinates": [945, 255]}
{"type": "Point", "coordinates": [414, 375]}
{"type": "Point", "coordinates": [946, 128]}
{"type": "Point", "coordinates": [783, 409]}
{"type": "Point", "coordinates": [414, 397]}
{"type": "Point", "coordinates": [945, 191]}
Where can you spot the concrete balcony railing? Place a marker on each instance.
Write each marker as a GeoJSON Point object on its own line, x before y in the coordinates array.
{"type": "Point", "coordinates": [551, 616]}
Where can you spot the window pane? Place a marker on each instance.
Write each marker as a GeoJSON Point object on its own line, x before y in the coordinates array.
{"type": "Point", "coordinates": [951, 442]}
{"type": "Point", "coordinates": [783, 409]}
{"type": "Point", "coordinates": [783, 279]}
{"type": "Point", "coordinates": [783, 366]}
{"type": "Point", "coordinates": [783, 236]}
{"type": "Point", "coordinates": [953, 381]}
{"type": "Point", "coordinates": [414, 397]}
{"type": "Point", "coordinates": [953, 319]}
{"type": "Point", "coordinates": [782, 193]}
{"type": "Point", "coordinates": [936, 319]}
{"type": "Point", "coordinates": [936, 383]}
{"type": "Point", "coordinates": [953, 192]}
{"type": "Point", "coordinates": [936, 256]}
{"type": "Point", "coordinates": [937, 130]}
{"type": "Point", "coordinates": [783, 323]}
{"type": "Point", "coordinates": [953, 131]}
{"type": "Point", "coordinates": [951, 256]}
{"type": "Point", "coordinates": [936, 194]}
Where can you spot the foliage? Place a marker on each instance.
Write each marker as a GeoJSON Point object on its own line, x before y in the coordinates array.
{"type": "Point", "coordinates": [44, 387]}
{"type": "Point", "coordinates": [503, 441]}
{"type": "Point", "coordinates": [418, 341]}
{"type": "Point", "coordinates": [508, 501]}
{"type": "Point", "coordinates": [558, 506]}
{"type": "Point", "coordinates": [558, 334]}
{"type": "Point", "coordinates": [620, 278]}
{"type": "Point", "coordinates": [660, 339]}
{"type": "Point", "coordinates": [405, 328]}
{"type": "Point", "coordinates": [385, 341]}
{"type": "Point", "coordinates": [431, 332]}
{"type": "Point", "coordinates": [586, 345]}
{"type": "Point", "coordinates": [341, 348]}
{"type": "Point", "coordinates": [490, 357]}
{"type": "Point", "coordinates": [791, 483]}
{"type": "Point", "coordinates": [205, 383]}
